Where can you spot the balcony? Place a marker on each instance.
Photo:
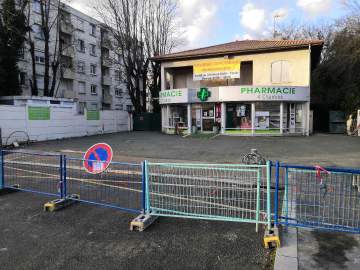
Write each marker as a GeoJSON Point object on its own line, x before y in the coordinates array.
{"type": "Point", "coordinates": [106, 80]}
{"type": "Point", "coordinates": [66, 27]}
{"type": "Point", "coordinates": [68, 74]}
{"type": "Point", "coordinates": [68, 51]}
{"type": "Point", "coordinates": [106, 62]}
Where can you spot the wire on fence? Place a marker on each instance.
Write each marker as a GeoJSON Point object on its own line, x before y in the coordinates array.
{"type": "Point", "coordinates": [219, 192]}
{"type": "Point", "coordinates": [321, 200]}
{"type": "Point", "coordinates": [38, 173]}
{"type": "Point", "coordinates": [119, 186]}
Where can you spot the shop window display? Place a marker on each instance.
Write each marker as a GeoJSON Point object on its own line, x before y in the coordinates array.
{"type": "Point", "coordinates": [238, 116]}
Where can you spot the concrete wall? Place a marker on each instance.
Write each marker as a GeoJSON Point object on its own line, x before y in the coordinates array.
{"type": "Point", "coordinates": [64, 123]}
{"type": "Point", "coordinates": [299, 62]}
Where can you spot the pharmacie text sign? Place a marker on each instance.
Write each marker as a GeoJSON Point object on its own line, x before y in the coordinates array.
{"type": "Point", "coordinates": [264, 93]}
{"type": "Point", "coordinates": [174, 96]}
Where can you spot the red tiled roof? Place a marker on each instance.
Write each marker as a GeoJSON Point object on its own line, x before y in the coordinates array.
{"type": "Point", "coordinates": [241, 46]}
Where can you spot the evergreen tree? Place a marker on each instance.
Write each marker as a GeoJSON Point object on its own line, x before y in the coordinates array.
{"type": "Point", "coordinates": [12, 37]}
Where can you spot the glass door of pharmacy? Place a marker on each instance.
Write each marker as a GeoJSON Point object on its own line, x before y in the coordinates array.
{"type": "Point", "coordinates": [208, 117]}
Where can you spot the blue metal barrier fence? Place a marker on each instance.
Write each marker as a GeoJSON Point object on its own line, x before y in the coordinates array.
{"type": "Point", "coordinates": [304, 196]}
{"type": "Point", "coordinates": [318, 198]}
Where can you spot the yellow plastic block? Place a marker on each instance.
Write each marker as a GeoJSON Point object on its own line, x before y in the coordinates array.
{"type": "Point", "coordinates": [271, 239]}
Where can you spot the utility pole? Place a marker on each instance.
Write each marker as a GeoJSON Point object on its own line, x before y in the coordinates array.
{"type": "Point", "coordinates": [275, 17]}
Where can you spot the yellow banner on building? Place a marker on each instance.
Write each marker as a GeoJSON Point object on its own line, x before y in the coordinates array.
{"type": "Point", "coordinates": [217, 69]}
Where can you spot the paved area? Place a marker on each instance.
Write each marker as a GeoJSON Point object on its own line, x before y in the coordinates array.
{"type": "Point", "coordinates": [324, 149]}
{"type": "Point", "coordinates": [89, 237]}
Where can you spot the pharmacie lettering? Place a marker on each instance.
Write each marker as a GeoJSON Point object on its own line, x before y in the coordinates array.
{"type": "Point", "coordinates": [170, 94]}
{"type": "Point", "coordinates": [268, 90]}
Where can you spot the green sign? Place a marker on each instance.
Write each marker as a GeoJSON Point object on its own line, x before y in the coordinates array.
{"type": "Point", "coordinates": [39, 113]}
{"type": "Point", "coordinates": [93, 115]}
{"type": "Point", "coordinates": [170, 93]}
{"type": "Point", "coordinates": [203, 94]}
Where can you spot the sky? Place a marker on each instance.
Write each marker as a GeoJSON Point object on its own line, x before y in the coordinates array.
{"type": "Point", "coordinates": [210, 22]}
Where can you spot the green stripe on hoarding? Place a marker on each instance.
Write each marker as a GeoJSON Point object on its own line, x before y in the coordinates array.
{"type": "Point", "coordinates": [92, 115]}
{"type": "Point", "coordinates": [39, 113]}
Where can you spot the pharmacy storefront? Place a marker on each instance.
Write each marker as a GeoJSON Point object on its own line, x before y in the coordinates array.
{"type": "Point", "coordinates": [237, 110]}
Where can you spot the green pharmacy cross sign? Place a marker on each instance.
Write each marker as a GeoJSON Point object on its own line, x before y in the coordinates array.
{"type": "Point", "coordinates": [204, 94]}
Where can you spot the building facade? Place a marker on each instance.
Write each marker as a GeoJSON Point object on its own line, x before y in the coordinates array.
{"type": "Point", "coordinates": [251, 87]}
{"type": "Point", "coordinates": [89, 69]}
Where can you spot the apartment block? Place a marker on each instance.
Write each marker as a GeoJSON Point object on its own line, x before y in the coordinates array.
{"type": "Point", "coordinates": [89, 70]}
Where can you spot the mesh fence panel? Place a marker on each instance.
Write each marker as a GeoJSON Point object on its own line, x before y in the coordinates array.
{"type": "Point", "coordinates": [331, 201]}
{"type": "Point", "coordinates": [222, 192]}
{"type": "Point", "coordinates": [35, 172]}
{"type": "Point", "coordinates": [119, 186]}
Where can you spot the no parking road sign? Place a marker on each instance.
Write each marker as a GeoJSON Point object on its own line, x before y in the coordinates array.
{"type": "Point", "coordinates": [98, 158]}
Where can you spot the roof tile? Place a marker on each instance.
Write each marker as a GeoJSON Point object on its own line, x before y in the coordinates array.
{"type": "Point", "coordinates": [240, 47]}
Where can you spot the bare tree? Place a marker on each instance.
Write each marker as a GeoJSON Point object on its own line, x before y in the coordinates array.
{"type": "Point", "coordinates": [161, 37]}
{"type": "Point", "coordinates": [141, 29]}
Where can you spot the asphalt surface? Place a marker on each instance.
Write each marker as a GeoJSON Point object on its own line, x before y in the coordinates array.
{"type": "Point", "coordinates": [323, 149]}
{"type": "Point", "coordinates": [89, 237]}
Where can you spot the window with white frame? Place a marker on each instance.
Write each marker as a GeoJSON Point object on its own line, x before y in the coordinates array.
{"type": "Point", "coordinates": [81, 45]}
{"type": "Point", "coordinates": [39, 33]}
{"type": "Point", "coordinates": [39, 58]}
{"type": "Point", "coordinates": [92, 29]}
{"type": "Point", "coordinates": [93, 70]}
{"type": "Point", "coordinates": [93, 49]}
{"type": "Point", "coordinates": [37, 6]}
{"type": "Point", "coordinates": [280, 71]}
{"type": "Point", "coordinates": [93, 89]}
{"type": "Point", "coordinates": [81, 67]}
{"type": "Point", "coordinates": [82, 87]}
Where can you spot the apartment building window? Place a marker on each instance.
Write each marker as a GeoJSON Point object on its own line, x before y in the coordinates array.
{"type": "Point", "coordinates": [37, 6]}
{"type": "Point", "coordinates": [92, 29]}
{"type": "Point", "coordinates": [93, 49]}
{"type": "Point", "coordinates": [81, 67]}
{"type": "Point", "coordinates": [93, 70]}
{"type": "Point", "coordinates": [39, 33]}
{"type": "Point", "coordinates": [81, 45]}
{"type": "Point", "coordinates": [39, 58]}
{"type": "Point", "coordinates": [82, 87]}
{"type": "Point", "coordinates": [22, 78]}
{"type": "Point", "coordinates": [21, 53]}
{"type": "Point", "coordinates": [280, 72]}
{"type": "Point", "coordinates": [118, 92]}
{"type": "Point", "coordinates": [117, 75]}
{"type": "Point", "coordinates": [93, 89]}
{"type": "Point", "coordinates": [80, 24]}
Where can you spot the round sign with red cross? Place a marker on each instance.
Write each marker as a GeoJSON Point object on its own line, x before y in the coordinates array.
{"type": "Point", "coordinates": [98, 158]}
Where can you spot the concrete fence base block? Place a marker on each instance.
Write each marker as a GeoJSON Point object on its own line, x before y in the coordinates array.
{"type": "Point", "coordinates": [4, 191]}
{"type": "Point", "coordinates": [271, 238]}
{"type": "Point", "coordinates": [58, 204]}
{"type": "Point", "coordinates": [141, 222]}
